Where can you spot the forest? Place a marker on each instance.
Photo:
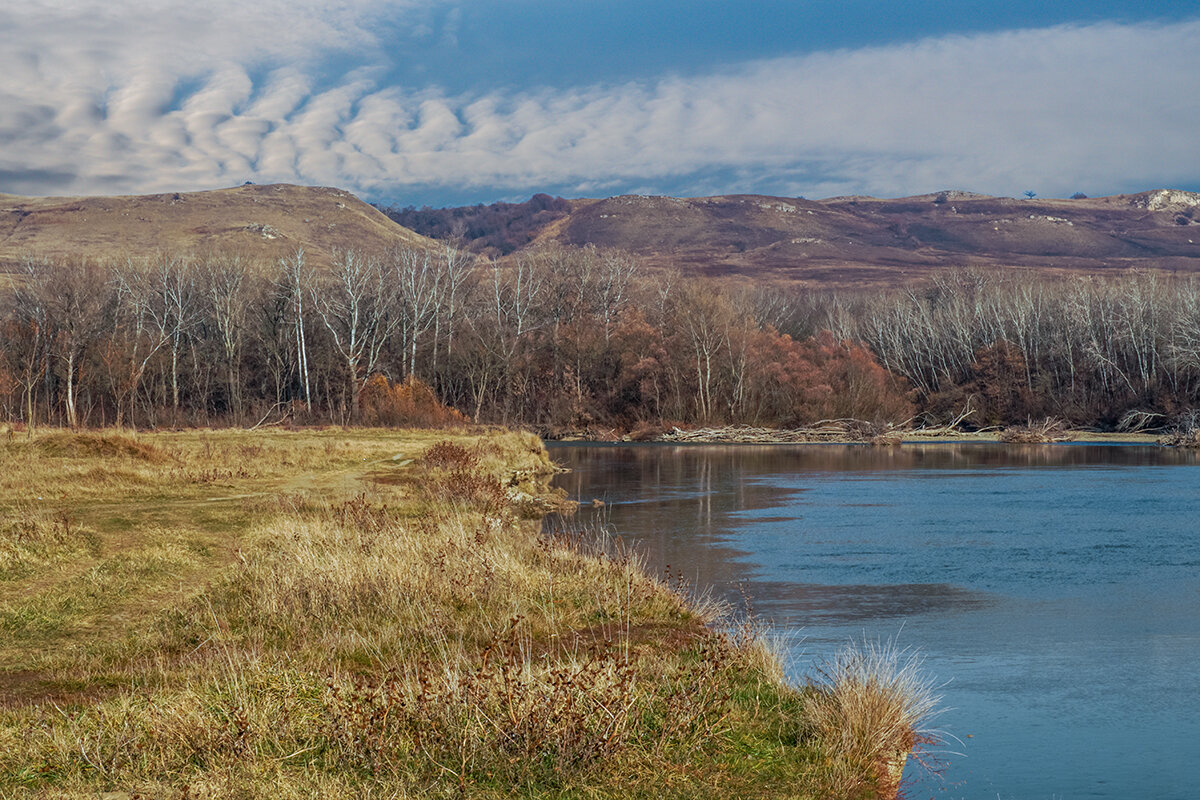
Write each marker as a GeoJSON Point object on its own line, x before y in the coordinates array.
{"type": "Point", "coordinates": [579, 341]}
{"type": "Point", "coordinates": [493, 229]}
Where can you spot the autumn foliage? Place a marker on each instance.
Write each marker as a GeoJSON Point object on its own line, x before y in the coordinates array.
{"type": "Point", "coordinates": [409, 404]}
{"type": "Point", "coordinates": [801, 382]}
{"type": "Point", "coordinates": [577, 341]}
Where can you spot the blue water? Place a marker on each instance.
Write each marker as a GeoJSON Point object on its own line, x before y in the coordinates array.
{"type": "Point", "coordinates": [1053, 589]}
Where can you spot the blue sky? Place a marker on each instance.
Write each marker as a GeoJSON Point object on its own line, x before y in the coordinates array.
{"type": "Point", "coordinates": [521, 43]}
{"type": "Point", "coordinates": [435, 102]}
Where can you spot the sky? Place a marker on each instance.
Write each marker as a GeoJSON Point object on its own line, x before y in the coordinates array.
{"type": "Point", "coordinates": [433, 102]}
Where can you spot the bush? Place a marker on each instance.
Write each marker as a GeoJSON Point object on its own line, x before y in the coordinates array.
{"type": "Point", "coordinates": [411, 404]}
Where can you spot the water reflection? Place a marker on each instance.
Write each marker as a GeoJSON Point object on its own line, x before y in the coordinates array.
{"type": "Point", "coordinates": [665, 464]}
{"type": "Point", "coordinates": [817, 604]}
{"type": "Point", "coordinates": [1054, 586]}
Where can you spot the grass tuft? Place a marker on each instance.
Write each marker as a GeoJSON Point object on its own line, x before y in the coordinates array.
{"type": "Point", "coordinates": [872, 705]}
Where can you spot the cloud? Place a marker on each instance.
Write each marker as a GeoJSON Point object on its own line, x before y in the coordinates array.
{"type": "Point", "coordinates": [154, 95]}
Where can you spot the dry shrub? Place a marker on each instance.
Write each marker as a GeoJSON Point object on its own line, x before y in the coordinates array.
{"type": "Point", "coordinates": [507, 717]}
{"type": "Point", "coordinates": [410, 404]}
{"type": "Point", "coordinates": [872, 705]}
{"type": "Point", "coordinates": [467, 488]}
{"type": "Point", "coordinates": [520, 715]}
{"type": "Point", "coordinates": [448, 455]}
{"type": "Point", "coordinates": [455, 477]}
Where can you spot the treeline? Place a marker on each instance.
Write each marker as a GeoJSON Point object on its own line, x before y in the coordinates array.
{"type": "Point", "coordinates": [1088, 350]}
{"type": "Point", "coordinates": [575, 340]}
{"type": "Point", "coordinates": [559, 339]}
{"type": "Point", "coordinates": [494, 229]}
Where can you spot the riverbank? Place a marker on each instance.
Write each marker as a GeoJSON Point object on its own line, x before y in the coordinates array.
{"type": "Point", "coordinates": [858, 434]}
{"type": "Point", "coordinates": [364, 613]}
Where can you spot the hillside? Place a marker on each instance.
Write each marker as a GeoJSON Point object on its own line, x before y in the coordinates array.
{"type": "Point", "coordinates": [863, 240]}
{"type": "Point", "coordinates": [265, 222]}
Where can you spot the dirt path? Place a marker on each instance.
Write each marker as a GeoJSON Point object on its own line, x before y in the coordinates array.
{"type": "Point", "coordinates": [149, 555]}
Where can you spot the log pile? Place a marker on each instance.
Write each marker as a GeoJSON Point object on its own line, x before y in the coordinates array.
{"type": "Point", "coordinates": [1050, 430]}
{"type": "Point", "coordinates": [1185, 432]}
{"type": "Point", "coordinates": [829, 430]}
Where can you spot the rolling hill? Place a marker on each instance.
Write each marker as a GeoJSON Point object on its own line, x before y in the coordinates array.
{"type": "Point", "coordinates": [265, 222]}
{"type": "Point", "coordinates": [849, 241]}
{"type": "Point", "coordinates": [841, 241]}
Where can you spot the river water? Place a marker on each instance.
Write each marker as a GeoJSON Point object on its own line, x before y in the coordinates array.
{"type": "Point", "coordinates": [1053, 589]}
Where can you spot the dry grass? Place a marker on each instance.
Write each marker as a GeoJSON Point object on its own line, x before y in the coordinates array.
{"type": "Point", "coordinates": [264, 222]}
{"type": "Point", "coordinates": [873, 704]}
{"type": "Point", "coordinates": [351, 613]}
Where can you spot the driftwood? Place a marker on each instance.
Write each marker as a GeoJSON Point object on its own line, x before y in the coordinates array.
{"type": "Point", "coordinates": [1185, 432]}
{"type": "Point", "coordinates": [1136, 421]}
{"type": "Point", "coordinates": [1050, 430]}
{"type": "Point", "coordinates": [951, 428]}
{"type": "Point", "coordinates": [827, 430]}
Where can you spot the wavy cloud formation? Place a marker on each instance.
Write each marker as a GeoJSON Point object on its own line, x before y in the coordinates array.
{"type": "Point", "coordinates": [160, 95]}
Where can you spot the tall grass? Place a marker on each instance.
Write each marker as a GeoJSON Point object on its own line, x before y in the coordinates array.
{"type": "Point", "coordinates": [391, 625]}
{"type": "Point", "coordinates": [872, 703]}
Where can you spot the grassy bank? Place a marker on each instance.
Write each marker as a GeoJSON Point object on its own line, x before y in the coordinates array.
{"type": "Point", "coordinates": [370, 614]}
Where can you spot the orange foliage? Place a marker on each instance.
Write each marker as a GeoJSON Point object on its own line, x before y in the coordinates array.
{"type": "Point", "coordinates": [1000, 383]}
{"type": "Point", "coordinates": [822, 378]}
{"type": "Point", "coordinates": [411, 404]}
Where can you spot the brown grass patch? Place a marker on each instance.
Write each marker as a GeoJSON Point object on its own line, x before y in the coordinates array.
{"type": "Point", "coordinates": [94, 445]}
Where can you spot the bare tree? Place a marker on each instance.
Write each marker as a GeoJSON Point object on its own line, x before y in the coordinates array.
{"type": "Point", "coordinates": [28, 346]}
{"type": "Point", "coordinates": [137, 333]}
{"type": "Point", "coordinates": [419, 286]}
{"type": "Point", "coordinates": [173, 307]}
{"type": "Point", "coordinates": [457, 267]}
{"type": "Point", "coordinates": [75, 299]}
{"type": "Point", "coordinates": [355, 303]}
{"type": "Point", "coordinates": [296, 282]}
{"type": "Point", "coordinates": [227, 290]}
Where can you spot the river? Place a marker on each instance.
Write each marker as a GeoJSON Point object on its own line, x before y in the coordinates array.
{"type": "Point", "coordinates": [1053, 590]}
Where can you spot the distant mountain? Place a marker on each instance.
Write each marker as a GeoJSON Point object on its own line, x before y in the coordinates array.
{"type": "Point", "coordinates": [265, 222]}
{"type": "Point", "coordinates": [868, 241]}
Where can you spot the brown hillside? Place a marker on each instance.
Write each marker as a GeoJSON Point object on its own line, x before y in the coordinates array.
{"type": "Point", "coordinates": [860, 240]}
{"type": "Point", "coordinates": [266, 222]}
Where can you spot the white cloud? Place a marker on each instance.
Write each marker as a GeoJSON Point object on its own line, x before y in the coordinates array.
{"type": "Point", "coordinates": [156, 95]}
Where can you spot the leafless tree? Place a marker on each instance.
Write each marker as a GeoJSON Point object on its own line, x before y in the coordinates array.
{"type": "Point", "coordinates": [355, 303]}
{"type": "Point", "coordinates": [296, 282]}
{"type": "Point", "coordinates": [226, 282]}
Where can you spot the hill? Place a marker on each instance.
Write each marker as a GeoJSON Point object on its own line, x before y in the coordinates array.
{"type": "Point", "coordinates": [265, 222]}
{"type": "Point", "coordinates": [494, 230]}
{"type": "Point", "coordinates": [846, 241]}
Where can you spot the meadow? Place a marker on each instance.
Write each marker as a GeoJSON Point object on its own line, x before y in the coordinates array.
{"type": "Point", "coordinates": [366, 613]}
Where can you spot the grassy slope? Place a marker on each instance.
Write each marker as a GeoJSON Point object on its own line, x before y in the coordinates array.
{"type": "Point", "coordinates": [264, 222]}
{"type": "Point", "coordinates": [869, 242]}
{"type": "Point", "coordinates": [229, 614]}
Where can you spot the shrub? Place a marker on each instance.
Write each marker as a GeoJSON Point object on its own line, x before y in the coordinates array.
{"type": "Point", "coordinates": [410, 404]}
{"type": "Point", "coordinates": [448, 455]}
